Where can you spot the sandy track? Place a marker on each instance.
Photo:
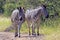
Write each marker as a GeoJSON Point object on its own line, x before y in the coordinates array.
{"type": "Point", "coordinates": [10, 36]}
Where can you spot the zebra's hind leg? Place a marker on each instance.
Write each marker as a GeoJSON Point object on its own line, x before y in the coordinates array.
{"type": "Point", "coordinates": [28, 27]}
{"type": "Point", "coordinates": [38, 31]}
{"type": "Point", "coordinates": [33, 29]}
{"type": "Point", "coordinates": [16, 31]}
{"type": "Point", "coordinates": [38, 26]}
{"type": "Point", "coordinates": [16, 34]}
{"type": "Point", "coordinates": [29, 31]}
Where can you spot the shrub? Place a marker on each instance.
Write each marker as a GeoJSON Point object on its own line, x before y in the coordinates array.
{"type": "Point", "coordinates": [8, 8]}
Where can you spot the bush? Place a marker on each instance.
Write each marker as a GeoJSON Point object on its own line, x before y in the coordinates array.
{"type": "Point", "coordinates": [8, 8]}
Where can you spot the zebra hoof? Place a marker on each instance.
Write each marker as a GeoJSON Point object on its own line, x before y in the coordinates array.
{"type": "Point", "coordinates": [19, 36]}
{"type": "Point", "coordinates": [16, 35]}
{"type": "Point", "coordinates": [34, 34]}
{"type": "Point", "coordinates": [29, 34]}
{"type": "Point", "coordinates": [38, 34]}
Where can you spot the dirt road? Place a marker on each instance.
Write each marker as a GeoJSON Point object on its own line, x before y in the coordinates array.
{"type": "Point", "coordinates": [10, 36]}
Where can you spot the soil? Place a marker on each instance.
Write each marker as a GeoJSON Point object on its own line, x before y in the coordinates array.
{"type": "Point", "coordinates": [10, 36]}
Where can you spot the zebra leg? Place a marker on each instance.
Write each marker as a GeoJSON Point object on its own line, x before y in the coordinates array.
{"type": "Point", "coordinates": [28, 27]}
{"type": "Point", "coordinates": [33, 29]}
{"type": "Point", "coordinates": [16, 31]}
{"type": "Point", "coordinates": [38, 24]}
{"type": "Point", "coordinates": [29, 31]}
{"type": "Point", "coordinates": [19, 27]}
{"type": "Point", "coordinates": [38, 30]}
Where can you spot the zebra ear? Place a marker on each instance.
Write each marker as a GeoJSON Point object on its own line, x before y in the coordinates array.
{"type": "Point", "coordinates": [18, 8]}
{"type": "Point", "coordinates": [44, 6]}
{"type": "Point", "coordinates": [21, 8]}
{"type": "Point", "coordinates": [24, 9]}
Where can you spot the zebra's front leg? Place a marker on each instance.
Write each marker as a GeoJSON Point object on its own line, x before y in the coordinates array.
{"type": "Point", "coordinates": [33, 30]}
{"type": "Point", "coordinates": [29, 28]}
{"type": "Point", "coordinates": [19, 27]}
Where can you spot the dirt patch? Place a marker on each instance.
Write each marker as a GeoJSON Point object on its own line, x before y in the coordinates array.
{"type": "Point", "coordinates": [10, 36]}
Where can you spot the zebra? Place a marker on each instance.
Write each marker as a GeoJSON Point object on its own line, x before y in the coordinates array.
{"type": "Point", "coordinates": [33, 18]}
{"type": "Point", "coordinates": [17, 18]}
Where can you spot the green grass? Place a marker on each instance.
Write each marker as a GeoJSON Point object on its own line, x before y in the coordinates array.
{"type": "Point", "coordinates": [4, 23]}
{"type": "Point", "coordinates": [50, 28]}
{"type": "Point", "coordinates": [53, 36]}
{"type": "Point", "coordinates": [47, 27]}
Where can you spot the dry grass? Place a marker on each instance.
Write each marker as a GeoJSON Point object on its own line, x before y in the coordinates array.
{"type": "Point", "coordinates": [54, 36]}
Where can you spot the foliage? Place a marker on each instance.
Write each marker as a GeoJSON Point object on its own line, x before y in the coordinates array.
{"type": "Point", "coordinates": [2, 2]}
{"type": "Point", "coordinates": [9, 5]}
{"type": "Point", "coordinates": [8, 9]}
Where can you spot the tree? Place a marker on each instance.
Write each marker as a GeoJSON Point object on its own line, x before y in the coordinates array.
{"type": "Point", "coordinates": [2, 2]}
{"type": "Point", "coordinates": [9, 5]}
